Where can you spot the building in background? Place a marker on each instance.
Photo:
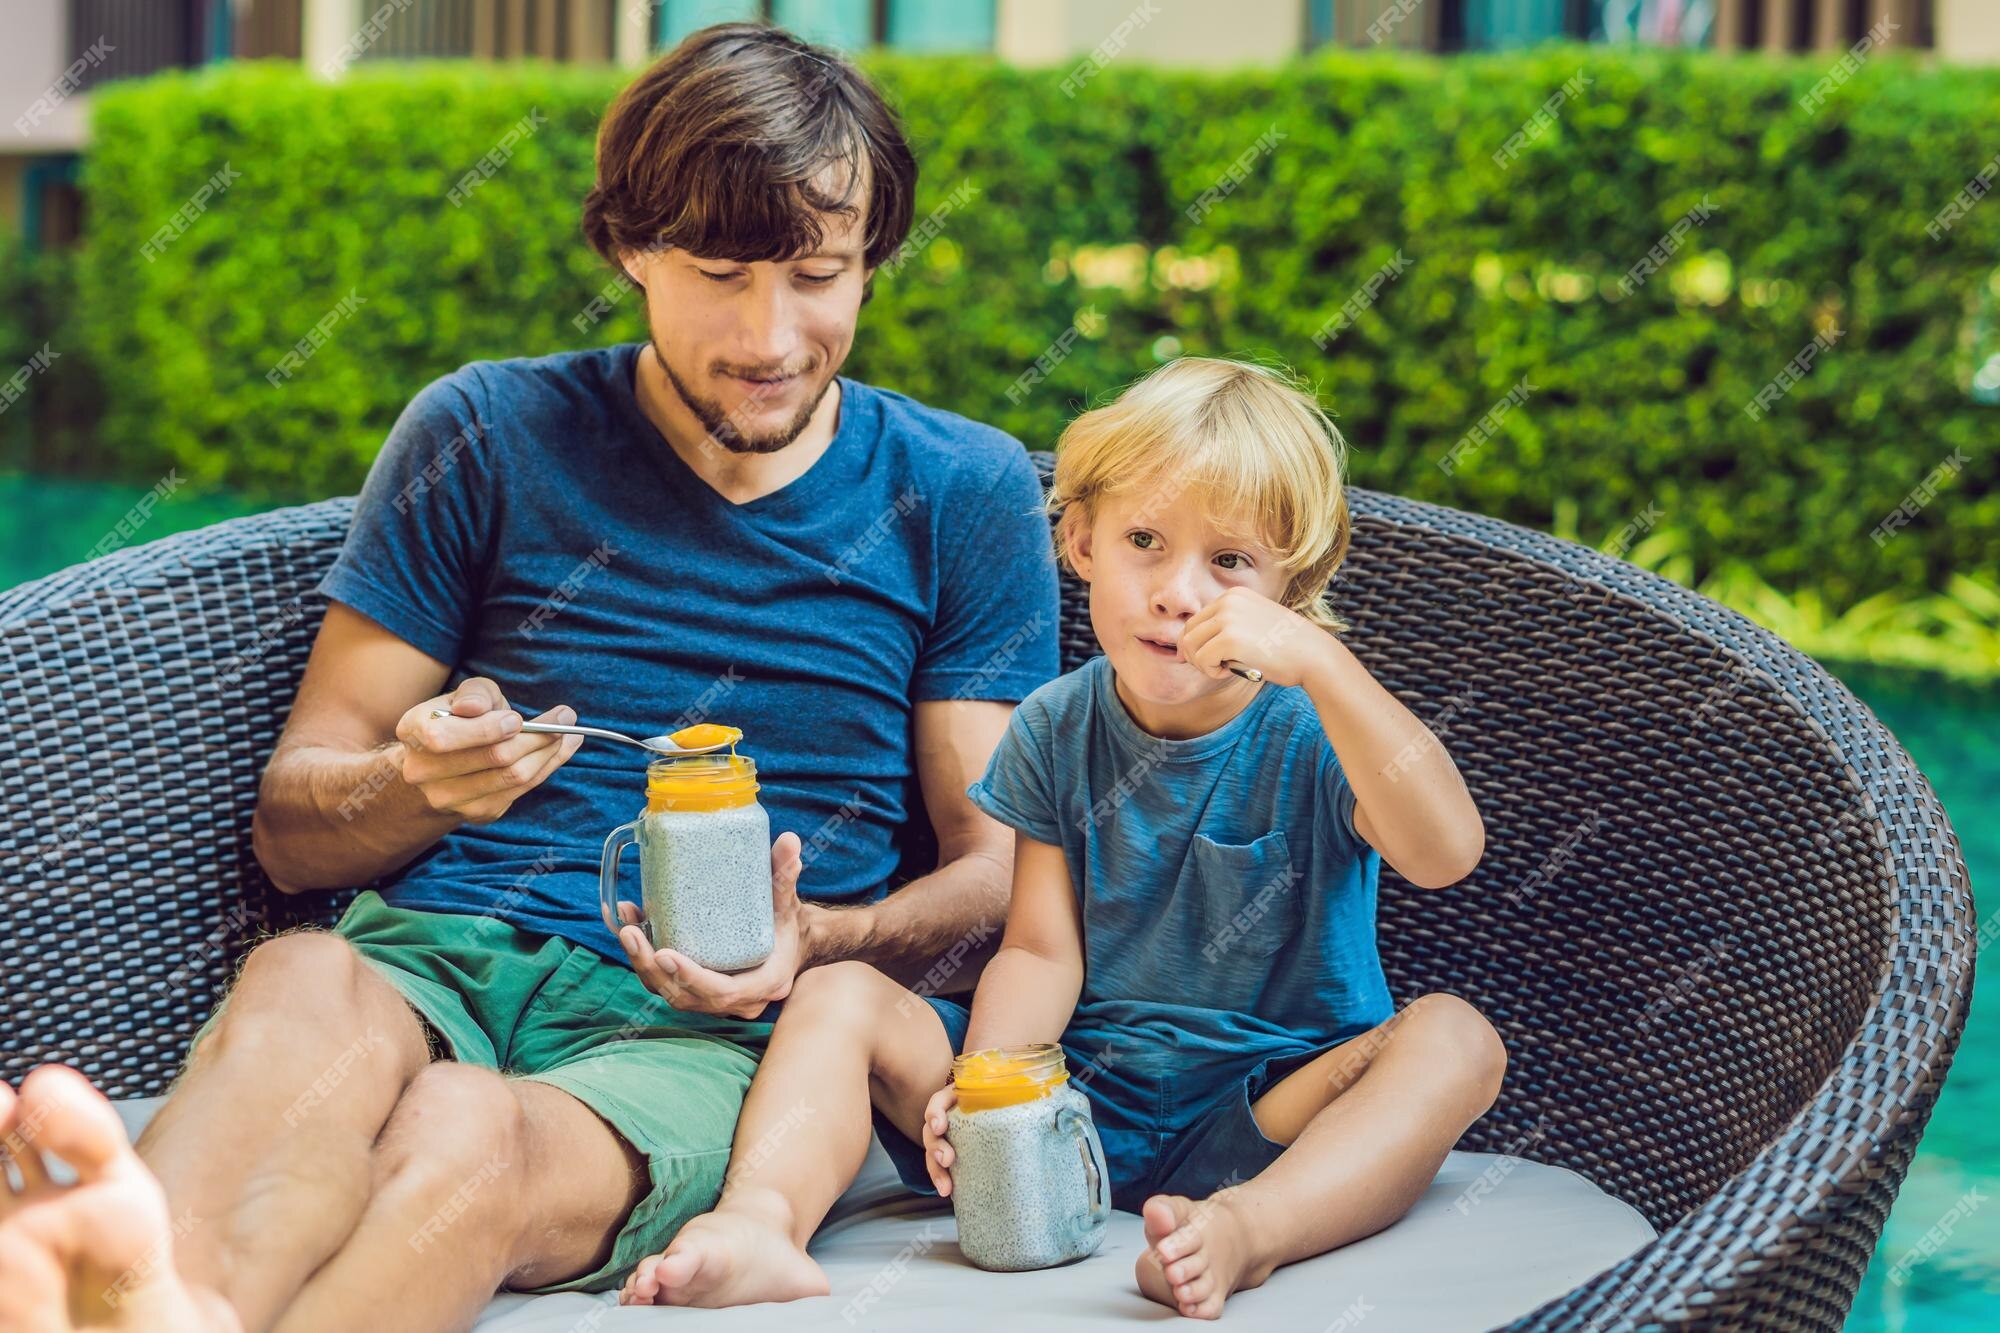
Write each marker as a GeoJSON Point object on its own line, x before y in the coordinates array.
{"type": "Point", "coordinates": [58, 50]}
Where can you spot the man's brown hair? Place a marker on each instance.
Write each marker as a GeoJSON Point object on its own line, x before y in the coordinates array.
{"type": "Point", "coordinates": [722, 149]}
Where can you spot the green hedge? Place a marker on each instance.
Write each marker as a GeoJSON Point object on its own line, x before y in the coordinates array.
{"type": "Point", "coordinates": [50, 426]}
{"type": "Point", "coordinates": [16, 348]}
{"type": "Point", "coordinates": [1082, 205]}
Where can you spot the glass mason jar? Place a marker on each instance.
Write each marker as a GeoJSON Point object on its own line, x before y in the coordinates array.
{"type": "Point", "coordinates": [1028, 1184]}
{"type": "Point", "coordinates": [704, 861]}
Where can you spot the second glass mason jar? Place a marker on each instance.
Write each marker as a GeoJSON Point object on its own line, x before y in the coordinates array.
{"type": "Point", "coordinates": [1028, 1184]}
{"type": "Point", "coordinates": [704, 861]}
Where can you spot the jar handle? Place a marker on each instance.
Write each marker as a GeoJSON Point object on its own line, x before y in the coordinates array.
{"type": "Point", "coordinates": [1096, 1178]}
{"type": "Point", "coordinates": [607, 875]}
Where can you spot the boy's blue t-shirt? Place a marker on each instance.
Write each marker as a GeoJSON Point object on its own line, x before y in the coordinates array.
{"type": "Point", "coordinates": [526, 522]}
{"type": "Point", "coordinates": [1228, 904]}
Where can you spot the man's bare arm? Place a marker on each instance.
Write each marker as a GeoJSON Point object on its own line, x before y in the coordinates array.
{"type": "Point", "coordinates": [948, 921]}
{"type": "Point", "coordinates": [363, 779]}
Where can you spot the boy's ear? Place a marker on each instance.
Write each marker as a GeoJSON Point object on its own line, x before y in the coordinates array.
{"type": "Point", "coordinates": [1076, 541]}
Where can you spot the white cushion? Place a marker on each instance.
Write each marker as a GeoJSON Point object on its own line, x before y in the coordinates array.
{"type": "Point", "coordinates": [1491, 1239]}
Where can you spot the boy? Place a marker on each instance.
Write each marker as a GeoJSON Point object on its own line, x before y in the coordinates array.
{"type": "Point", "coordinates": [1193, 909]}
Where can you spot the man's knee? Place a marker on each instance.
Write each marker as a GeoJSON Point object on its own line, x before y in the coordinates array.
{"type": "Point", "coordinates": [314, 965]}
{"type": "Point", "coordinates": [309, 993]}
{"type": "Point", "coordinates": [307, 979]}
{"type": "Point", "coordinates": [457, 1142]}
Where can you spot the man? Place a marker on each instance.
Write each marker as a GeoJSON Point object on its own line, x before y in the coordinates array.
{"type": "Point", "coordinates": [465, 1086]}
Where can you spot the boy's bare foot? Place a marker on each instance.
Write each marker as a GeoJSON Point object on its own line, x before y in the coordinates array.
{"type": "Point", "coordinates": [1197, 1254]}
{"type": "Point", "coordinates": [733, 1256]}
{"type": "Point", "coordinates": [97, 1254]}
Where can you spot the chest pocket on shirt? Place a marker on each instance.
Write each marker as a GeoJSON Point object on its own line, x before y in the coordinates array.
{"type": "Point", "coordinates": [1251, 896]}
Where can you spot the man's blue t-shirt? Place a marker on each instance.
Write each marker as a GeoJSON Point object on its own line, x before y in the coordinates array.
{"type": "Point", "coordinates": [1228, 903]}
{"type": "Point", "coordinates": [526, 522]}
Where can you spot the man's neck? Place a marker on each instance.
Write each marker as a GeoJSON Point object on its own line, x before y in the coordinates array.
{"type": "Point", "coordinates": [737, 477]}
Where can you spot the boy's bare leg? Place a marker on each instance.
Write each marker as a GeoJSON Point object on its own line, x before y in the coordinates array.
{"type": "Point", "coordinates": [849, 1038]}
{"type": "Point", "coordinates": [1368, 1125]}
{"type": "Point", "coordinates": [264, 1144]}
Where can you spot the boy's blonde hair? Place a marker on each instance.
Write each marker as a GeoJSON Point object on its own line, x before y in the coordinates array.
{"type": "Point", "coordinates": [1251, 441]}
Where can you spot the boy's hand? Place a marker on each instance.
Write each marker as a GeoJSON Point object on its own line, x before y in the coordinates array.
{"type": "Point", "coordinates": [1249, 628]}
{"type": "Point", "coordinates": [938, 1155]}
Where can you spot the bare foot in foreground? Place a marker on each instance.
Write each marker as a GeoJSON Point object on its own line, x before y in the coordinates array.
{"type": "Point", "coordinates": [1197, 1254]}
{"type": "Point", "coordinates": [96, 1254]}
{"type": "Point", "coordinates": [736, 1255]}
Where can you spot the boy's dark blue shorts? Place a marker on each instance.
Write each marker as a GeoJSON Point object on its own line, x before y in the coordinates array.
{"type": "Point", "coordinates": [1221, 1146]}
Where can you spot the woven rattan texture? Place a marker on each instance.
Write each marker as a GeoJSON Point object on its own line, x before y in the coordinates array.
{"type": "Point", "coordinates": [151, 685]}
{"type": "Point", "coordinates": [1722, 922]}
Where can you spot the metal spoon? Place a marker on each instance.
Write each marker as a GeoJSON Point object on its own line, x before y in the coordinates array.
{"type": "Point", "coordinates": [657, 744]}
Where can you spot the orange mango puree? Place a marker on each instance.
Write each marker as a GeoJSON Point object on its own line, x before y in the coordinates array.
{"type": "Point", "coordinates": [700, 782]}
{"type": "Point", "coordinates": [706, 733]}
{"type": "Point", "coordinates": [1007, 1076]}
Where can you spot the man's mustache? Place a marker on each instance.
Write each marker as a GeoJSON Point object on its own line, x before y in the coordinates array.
{"type": "Point", "coordinates": [763, 372]}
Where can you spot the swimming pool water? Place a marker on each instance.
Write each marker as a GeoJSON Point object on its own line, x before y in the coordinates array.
{"type": "Point", "coordinates": [1953, 732]}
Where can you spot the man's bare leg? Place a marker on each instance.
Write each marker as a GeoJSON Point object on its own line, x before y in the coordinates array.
{"type": "Point", "coordinates": [479, 1181]}
{"type": "Point", "coordinates": [476, 1179]}
{"type": "Point", "coordinates": [849, 1038]}
{"type": "Point", "coordinates": [1368, 1125]}
{"type": "Point", "coordinates": [266, 1140]}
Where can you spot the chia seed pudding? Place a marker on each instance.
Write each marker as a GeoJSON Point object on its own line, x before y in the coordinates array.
{"type": "Point", "coordinates": [704, 862]}
{"type": "Point", "coordinates": [1029, 1187]}
{"type": "Point", "coordinates": [707, 875]}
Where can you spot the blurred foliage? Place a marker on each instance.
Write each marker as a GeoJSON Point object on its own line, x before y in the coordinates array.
{"type": "Point", "coordinates": [1086, 214]}
{"type": "Point", "coordinates": [1955, 632]}
{"type": "Point", "coordinates": [50, 425]}
{"type": "Point", "coordinates": [16, 346]}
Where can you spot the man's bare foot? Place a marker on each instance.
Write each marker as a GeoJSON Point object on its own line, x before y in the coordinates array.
{"type": "Point", "coordinates": [96, 1254]}
{"type": "Point", "coordinates": [733, 1256]}
{"type": "Point", "coordinates": [1197, 1254]}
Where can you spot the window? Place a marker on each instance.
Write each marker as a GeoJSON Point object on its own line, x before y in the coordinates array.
{"type": "Point", "coordinates": [963, 25]}
{"type": "Point", "coordinates": [1502, 24]}
{"type": "Point", "coordinates": [850, 25]}
{"type": "Point", "coordinates": [675, 19]}
{"type": "Point", "coordinates": [118, 39]}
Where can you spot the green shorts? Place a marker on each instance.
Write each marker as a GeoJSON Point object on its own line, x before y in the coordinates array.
{"type": "Point", "coordinates": [533, 1006]}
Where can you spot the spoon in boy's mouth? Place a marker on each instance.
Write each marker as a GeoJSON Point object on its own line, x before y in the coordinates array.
{"type": "Point", "coordinates": [1251, 674]}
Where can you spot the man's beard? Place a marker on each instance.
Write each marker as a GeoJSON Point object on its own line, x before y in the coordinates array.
{"type": "Point", "coordinates": [724, 429]}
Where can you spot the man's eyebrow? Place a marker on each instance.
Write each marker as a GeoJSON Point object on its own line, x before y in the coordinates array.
{"type": "Point", "coordinates": [842, 255]}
